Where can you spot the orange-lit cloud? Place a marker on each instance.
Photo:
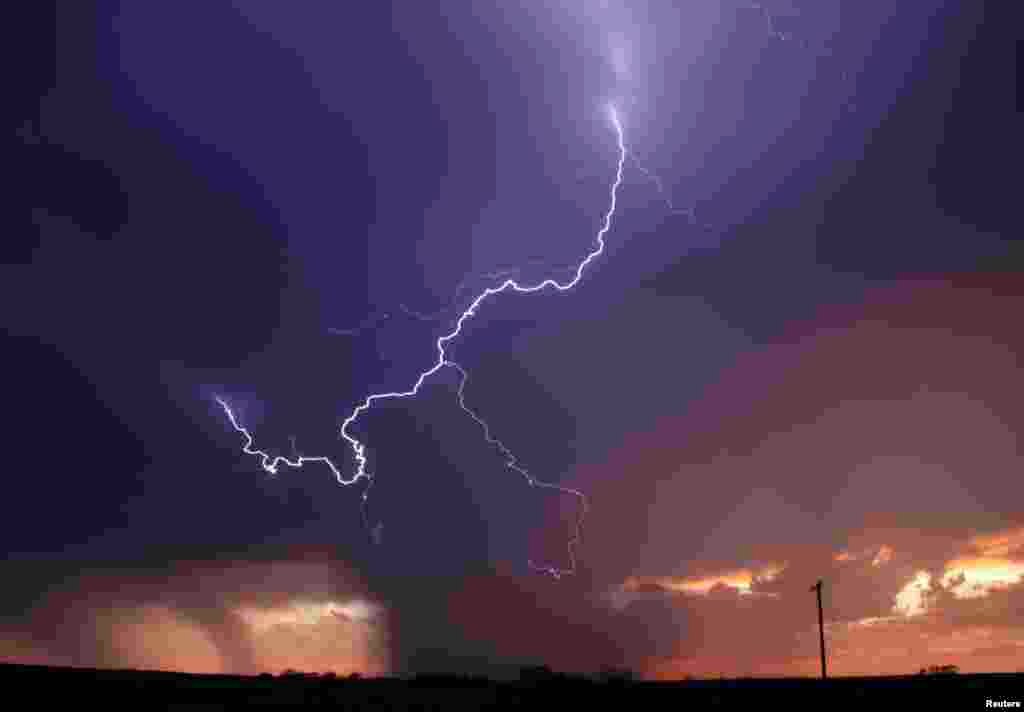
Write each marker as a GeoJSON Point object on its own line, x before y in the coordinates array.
{"type": "Point", "coordinates": [903, 645]}
{"type": "Point", "coordinates": [964, 611]}
{"type": "Point", "coordinates": [971, 576]}
{"type": "Point", "coordinates": [240, 617]}
{"type": "Point", "coordinates": [1004, 543]}
{"type": "Point", "coordinates": [976, 577]}
{"type": "Point", "coordinates": [879, 556]}
{"type": "Point", "coordinates": [156, 637]}
{"type": "Point", "coordinates": [875, 448]}
{"type": "Point", "coordinates": [315, 636]}
{"type": "Point", "coordinates": [912, 599]}
{"type": "Point", "coordinates": [18, 647]}
{"type": "Point", "coordinates": [883, 556]}
{"type": "Point", "coordinates": [742, 580]}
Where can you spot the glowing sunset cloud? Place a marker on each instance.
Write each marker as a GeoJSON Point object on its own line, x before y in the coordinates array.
{"type": "Point", "coordinates": [1001, 543]}
{"type": "Point", "coordinates": [742, 580]}
{"type": "Point", "coordinates": [879, 557]}
{"type": "Point", "coordinates": [977, 577]}
{"type": "Point", "coordinates": [238, 618]}
{"type": "Point", "coordinates": [996, 562]}
{"type": "Point", "coordinates": [883, 556]}
{"type": "Point", "coordinates": [157, 637]}
{"type": "Point", "coordinates": [912, 600]}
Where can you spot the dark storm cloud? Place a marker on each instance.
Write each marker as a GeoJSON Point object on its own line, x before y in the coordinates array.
{"type": "Point", "coordinates": [208, 190]}
{"type": "Point", "coordinates": [496, 621]}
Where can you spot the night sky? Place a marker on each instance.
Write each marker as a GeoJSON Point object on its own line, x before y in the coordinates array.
{"type": "Point", "coordinates": [798, 356]}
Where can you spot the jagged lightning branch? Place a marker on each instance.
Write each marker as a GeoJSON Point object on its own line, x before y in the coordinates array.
{"type": "Point", "coordinates": [513, 464]}
{"type": "Point", "coordinates": [272, 464]}
{"type": "Point", "coordinates": [376, 320]}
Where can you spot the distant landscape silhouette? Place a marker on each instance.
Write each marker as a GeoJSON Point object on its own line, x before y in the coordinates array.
{"type": "Point", "coordinates": [938, 685]}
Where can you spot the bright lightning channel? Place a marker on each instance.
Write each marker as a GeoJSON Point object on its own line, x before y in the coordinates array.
{"type": "Point", "coordinates": [273, 463]}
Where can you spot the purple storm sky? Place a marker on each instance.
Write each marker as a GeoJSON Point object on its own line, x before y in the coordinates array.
{"type": "Point", "coordinates": [795, 356]}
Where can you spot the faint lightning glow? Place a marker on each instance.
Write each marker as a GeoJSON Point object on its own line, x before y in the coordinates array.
{"type": "Point", "coordinates": [305, 613]}
{"type": "Point", "coordinates": [367, 324]}
{"type": "Point", "coordinates": [690, 213]}
{"type": "Point", "coordinates": [659, 186]}
{"type": "Point", "coordinates": [272, 463]}
{"type": "Point", "coordinates": [618, 49]}
{"type": "Point", "coordinates": [341, 637]}
{"type": "Point", "coordinates": [772, 21]}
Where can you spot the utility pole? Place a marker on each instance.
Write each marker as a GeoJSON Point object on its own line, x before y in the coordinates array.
{"type": "Point", "coordinates": [821, 628]}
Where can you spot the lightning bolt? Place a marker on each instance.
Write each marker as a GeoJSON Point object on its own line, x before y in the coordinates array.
{"type": "Point", "coordinates": [372, 322]}
{"type": "Point", "coordinates": [272, 464]}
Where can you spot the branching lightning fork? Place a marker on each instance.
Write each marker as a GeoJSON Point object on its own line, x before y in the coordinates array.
{"type": "Point", "coordinates": [272, 463]}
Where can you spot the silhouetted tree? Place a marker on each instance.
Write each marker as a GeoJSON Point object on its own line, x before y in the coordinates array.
{"type": "Point", "coordinates": [940, 670]}
{"type": "Point", "coordinates": [619, 675]}
{"type": "Point", "coordinates": [536, 673]}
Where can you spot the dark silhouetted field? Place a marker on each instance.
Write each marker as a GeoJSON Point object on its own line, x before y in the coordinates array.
{"type": "Point", "coordinates": [33, 685]}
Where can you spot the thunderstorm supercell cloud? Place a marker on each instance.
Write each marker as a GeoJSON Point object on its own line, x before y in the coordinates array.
{"type": "Point", "coordinates": [396, 337]}
{"type": "Point", "coordinates": [271, 464]}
